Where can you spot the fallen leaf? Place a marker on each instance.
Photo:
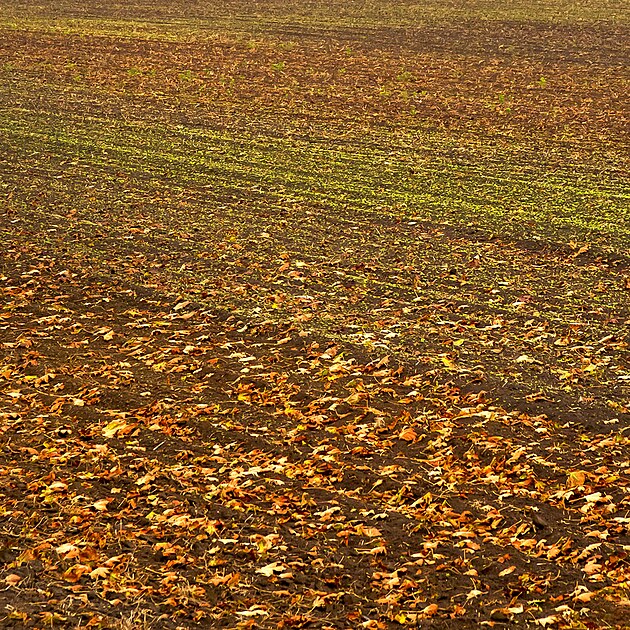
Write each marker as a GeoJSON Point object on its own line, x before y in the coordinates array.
{"type": "Point", "coordinates": [68, 550]}
{"type": "Point", "coordinates": [584, 597]}
{"type": "Point", "coordinates": [408, 434]}
{"type": "Point", "coordinates": [269, 569]}
{"type": "Point", "coordinates": [576, 478]}
{"type": "Point", "coordinates": [593, 497]}
{"type": "Point", "coordinates": [372, 532]}
{"type": "Point", "coordinates": [13, 579]}
{"type": "Point", "coordinates": [74, 573]}
{"type": "Point", "coordinates": [252, 612]}
{"type": "Point", "coordinates": [99, 572]}
{"type": "Point", "coordinates": [114, 427]}
{"type": "Point", "coordinates": [430, 610]}
{"type": "Point", "coordinates": [100, 505]}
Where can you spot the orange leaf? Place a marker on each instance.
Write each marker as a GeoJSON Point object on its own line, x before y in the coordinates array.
{"type": "Point", "coordinates": [408, 434]}
{"type": "Point", "coordinates": [13, 579]}
{"type": "Point", "coordinates": [576, 478]}
{"type": "Point", "coordinates": [74, 573]}
{"type": "Point", "coordinates": [372, 532]}
{"type": "Point", "coordinates": [430, 610]}
{"type": "Point", "coordinates": [68, 551]}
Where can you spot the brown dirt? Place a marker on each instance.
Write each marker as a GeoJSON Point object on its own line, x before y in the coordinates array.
{"type": "Point", "coordinates": [240, 407]}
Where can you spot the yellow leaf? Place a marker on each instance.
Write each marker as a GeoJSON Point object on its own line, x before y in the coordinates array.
{"type": "Point", "coordinates": [114, 427]}
{"type": "Point", "coordinates": [594, 497]}
{"type": "Point", "coordinates": [252, 612]}
{"type": "Point", "coordinates": [148, 478]}
{"type": "Point", "coordinates": [100, 505]}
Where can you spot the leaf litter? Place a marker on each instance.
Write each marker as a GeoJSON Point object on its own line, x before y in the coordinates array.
{"type": "Point", "coordinates": [220, 412]}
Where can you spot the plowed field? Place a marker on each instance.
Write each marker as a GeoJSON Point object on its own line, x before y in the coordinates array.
{"type": "Point", "coordinates": [314, 315]}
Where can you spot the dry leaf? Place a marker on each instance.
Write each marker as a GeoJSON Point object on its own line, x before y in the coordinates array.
{"type": "Point", "coordinates": [99, 572]}
{"type": "Point", "coordinates": [430, 610]}
{"type": "Point", "coordinates": [594, 497]}
{"type": "Point", "coordinates": [252, 612]}
{"type": "Point", "coordinates": [576, 478]}
{"type": "Point", "coordinates": [13, 579]}
{"type": "Point", "coordinates": [68, 550]}
{"type": "Point", "coordinates": [74, 573]}
{"type": "Point", "coordinates": [269, 569]}
{"type": "Point", "coordinates": [408, 434]}
{"type": "Point", "coordinates": [372, 532]}
{"type": "Point", "coordinates": [114, 427]}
